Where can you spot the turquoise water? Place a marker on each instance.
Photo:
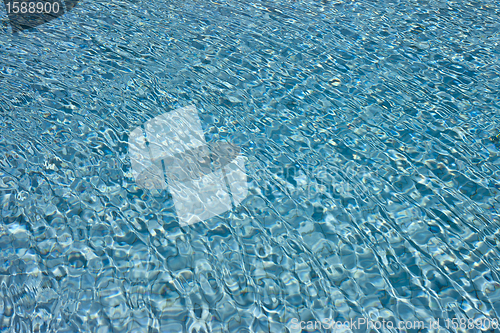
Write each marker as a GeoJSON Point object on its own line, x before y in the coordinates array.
{"type": "Point", "coordinates": [370, 132]}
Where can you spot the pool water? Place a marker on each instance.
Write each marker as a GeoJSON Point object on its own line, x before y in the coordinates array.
{"type": "Point", "coordinates": [370, 132]}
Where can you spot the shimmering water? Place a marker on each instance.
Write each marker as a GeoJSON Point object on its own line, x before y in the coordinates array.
{"type": "Point", "coordinates": [373, 167]}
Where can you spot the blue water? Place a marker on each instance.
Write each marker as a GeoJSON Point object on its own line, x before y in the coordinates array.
{"type": "Point", "coordinates": [373, 166]}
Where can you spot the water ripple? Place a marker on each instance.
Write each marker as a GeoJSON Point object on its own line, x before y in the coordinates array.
{"type": "Point", "coordinates": [370, 129]}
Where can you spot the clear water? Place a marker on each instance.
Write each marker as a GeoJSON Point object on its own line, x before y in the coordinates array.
{"type": "Point", "coordinates": [373, 166]}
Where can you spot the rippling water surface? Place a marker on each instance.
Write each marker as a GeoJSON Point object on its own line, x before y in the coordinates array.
{"type": "Point", "coordinates": [373, 165]}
